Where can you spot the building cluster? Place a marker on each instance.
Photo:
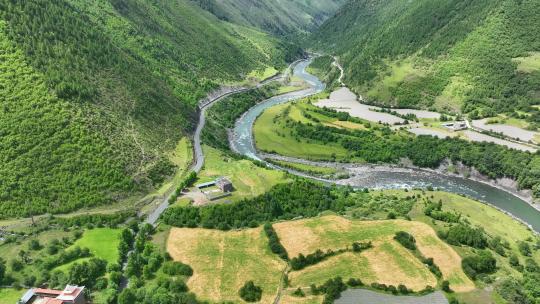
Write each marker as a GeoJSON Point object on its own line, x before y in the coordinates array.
{"type": "Point", "coordinates": [216, 189]}
{"type": "Point", "coordinates": [72, 294]}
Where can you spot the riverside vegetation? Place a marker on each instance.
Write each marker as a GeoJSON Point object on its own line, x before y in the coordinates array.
{"type": "Point", "coordinates": [305, 128]}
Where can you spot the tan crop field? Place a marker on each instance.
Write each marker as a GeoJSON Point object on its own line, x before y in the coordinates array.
{"type": "Point", "coordinates": [223, 261]}
{"type": "Point", "coordinates": [386, 263]}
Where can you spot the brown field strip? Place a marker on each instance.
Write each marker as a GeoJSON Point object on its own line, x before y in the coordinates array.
{"type": "Point", "coordinates": [224, 261]}
{"type": "Point", "coordinates": [334, 232]}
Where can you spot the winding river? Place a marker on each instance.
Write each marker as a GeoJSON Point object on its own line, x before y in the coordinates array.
{"type": "Point", "coordinates": [385, 177]}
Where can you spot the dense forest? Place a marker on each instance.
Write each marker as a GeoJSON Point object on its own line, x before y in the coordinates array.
{"type": "Point", "coordinates": [451, 54]}
{"type": "Point", "coordinates": [290, 17]}
{"type": "Point", "coordinates": [94, 93]}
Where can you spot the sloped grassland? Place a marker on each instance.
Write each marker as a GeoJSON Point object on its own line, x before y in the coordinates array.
{"type": "Point", "coordinates": [94, 92]}
{"type": "Point", "coordinates": [278, 17]}
{"type": "Point", "coordinates": [454, 55]}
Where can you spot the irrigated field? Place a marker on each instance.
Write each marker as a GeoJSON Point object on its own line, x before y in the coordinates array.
{"type": "Point", "coordinates": [387, 262]}
{"type": "Point", "coordinates": [224, 261]}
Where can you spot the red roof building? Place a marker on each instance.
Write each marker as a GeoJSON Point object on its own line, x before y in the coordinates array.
{"type": "Point", "coordinates": [70, 295]}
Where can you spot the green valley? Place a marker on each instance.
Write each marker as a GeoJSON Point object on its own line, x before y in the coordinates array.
{"type": "Point", "coordinates": [290, 17]}
{"type": "Point", "coordinates": [270, 151]}
{"type": "Point", "coordinates": [451, 55]}
{"type": "Point", "coordinates": [103, 90]}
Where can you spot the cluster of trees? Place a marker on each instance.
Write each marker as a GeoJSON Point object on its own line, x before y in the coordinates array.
{"type": "Point", "coordinates": [479, 264]}
{"type": "Point", "coordinates": [405, 239]}
{"type": "Point", "coordinates": [145, 259]}
{"type": "Point", "coordinates": [435, 212]}
{"type": "Point", "coordinates": [165, 291]}
{"type": "Point", "coordinates": [93, 220]}
{"type": "Point", "coordinates": [361, 246]}
{"type": "Point", "coordinates": [273, 242]}
{"type": "Point", "coordinates": [143, 262]}
{"type": "Point", "coordinates": [301, 262]}
{"type": "Point", "coordinates": [432, 266]}
{"type": "Point", "coordinates": [401, 289]}
{"type": "Point", "coordinates": [342, 116]}
{"type": "Point", "coordinates": [250, 292]}
{"type": "Point", "coordinates": [524, 289]}
{"type": "Point", "coordinates": [186, 182]}
{"type": "Point", "coordinates": [464, 234]}
{"type": "Point", "coordinates": [65, 257]}
{"type": "Point", "coordinates": [284, 201]}
{"type": "Point", "coordinates": [174, 268]}
{"type": "Point", "coordinates": [125, 245]}
{"type": "Point", "coordinates": [331, 289]}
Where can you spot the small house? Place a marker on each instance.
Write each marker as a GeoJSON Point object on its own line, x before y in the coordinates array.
{"type": "Point", "coordinates": [225, 185]}
{"type": "Point", "coordinates": [456, 125]}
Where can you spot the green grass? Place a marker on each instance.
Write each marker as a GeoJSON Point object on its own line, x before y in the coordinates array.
{"type": "Point", "coordinates": [102, 242]}
{"type": "Point", "coordinates": [306, 168]}
{"type": "Point", "coordinates": [10, 295]}
{"type": "Point", "coordinates": [398, 72]}
{"type": "Point", "coordinates": [275, 138]}
{"type": "Point", "coordinates": [248, 179]}
{"type": "Point", "coordinates": [181, 157]}
{"type": "Point", "coordinates": [262, 74]}
{"type": "Point", "coordinates": [529, 64]}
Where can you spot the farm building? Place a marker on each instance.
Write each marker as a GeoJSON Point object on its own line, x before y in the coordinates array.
{"type": "Point", "coordinates": [224, 184]}
{"type": "Point", "coordinates": [70, 295]}
{"type": "Point", "coordinates": [456, 125]}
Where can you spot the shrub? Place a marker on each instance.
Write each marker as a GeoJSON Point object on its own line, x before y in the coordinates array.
{"type": "Point", "coordinates": [445, 286]}
{"type": "Point", "coordinates": [177, 268]}
{"type": "Point", "coordinates": [361, 246]}
{"type": "Point", "coordinates": [482, 263]}
{"type": "Point", "coordinates": [524, 248]}
{"type": "Point", "coordinates": [462, 234]}
{"type": "Point", "coordinates": [299, 292]}
{"type": "Point", "coordinates": [354, 282]}
{"type": "Point", "coordinates": [405, 239]}
{"type": "Point", "coordinates": [274, 243]}
{"type": "Point", "coordinates": [250, 292]}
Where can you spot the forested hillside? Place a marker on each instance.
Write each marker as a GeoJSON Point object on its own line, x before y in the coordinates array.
{"type": "Point", "coordinates": [94, 92]}
{"type": "Point", "coordinates": [278, 17]}
{"type": "Point", "coordinates": [480, 57]}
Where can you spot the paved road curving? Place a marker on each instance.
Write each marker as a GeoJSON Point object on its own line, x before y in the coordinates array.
{"type": "Point", "coordinates": [198, 154]}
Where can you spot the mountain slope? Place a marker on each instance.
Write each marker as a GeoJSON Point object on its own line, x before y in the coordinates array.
{"type": "Point", "coordinates": [95, 92]}
{"type": "Point", "coordinates": [279, 17]}
{"type": "Point", "coordinates": [449, 54]}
